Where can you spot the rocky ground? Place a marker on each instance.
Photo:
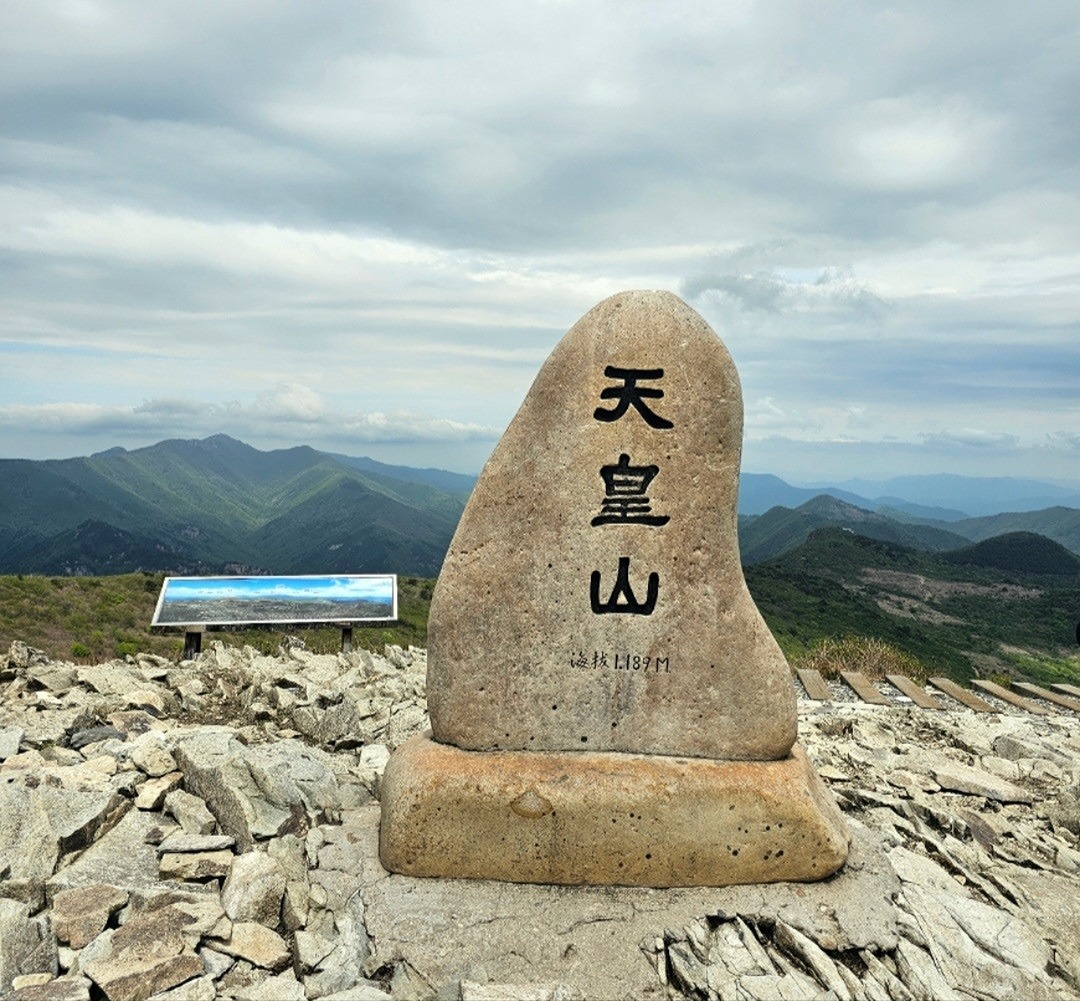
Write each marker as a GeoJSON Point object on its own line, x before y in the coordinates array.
{"type": "Point", "coordinates": [209, 830]}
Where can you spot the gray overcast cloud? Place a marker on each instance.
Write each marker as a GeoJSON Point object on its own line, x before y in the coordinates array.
{"type": "Point", "coordinates": [363, 226]}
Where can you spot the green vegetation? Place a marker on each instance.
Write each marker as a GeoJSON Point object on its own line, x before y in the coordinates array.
{"type": "Point", "coordinates": [870, 656]}
{"type": "Point", "coordinates": [959, 620]}
{"type": "Point", "coordinates": [98, 618]}
{"type": "Point", "coordinates": [839, 598]}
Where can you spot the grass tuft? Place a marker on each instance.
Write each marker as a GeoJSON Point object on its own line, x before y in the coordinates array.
{"type": "Point", "coordinates": [872, 657]}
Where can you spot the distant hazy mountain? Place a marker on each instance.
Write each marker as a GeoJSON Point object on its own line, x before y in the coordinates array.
{"type": "Point", "coordinates": [782, 529]}
{"type": "Point", "coordinates": [964, 495]}
{"type": "Point", "coordinates": [218, 504]}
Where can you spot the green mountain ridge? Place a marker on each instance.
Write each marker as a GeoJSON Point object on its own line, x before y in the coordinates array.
{"type": "Point", "coordinates": [781, 529]}
{"type": "Point", "coordinates": [217, 504]}
{"type": "Point", "coordinates": [209, 505]}
{"type": "Point", "coordinates": [959, 619]}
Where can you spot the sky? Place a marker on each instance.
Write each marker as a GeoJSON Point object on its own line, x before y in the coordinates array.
{"type": "Point", "coordinates": [363, 226]}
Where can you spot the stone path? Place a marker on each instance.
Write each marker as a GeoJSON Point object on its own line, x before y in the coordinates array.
{"type": "Point", "coordinates": [208, 830]}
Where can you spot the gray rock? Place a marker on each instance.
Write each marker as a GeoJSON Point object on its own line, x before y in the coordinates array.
{"type": "Point", "coordinates": [1064, 812]}
{"type": "Point", "coordinates": [147, 955]}
{"type": "Point", "coordinates": [56, 678]}
{"type": "Point", "coordinates": [976, 782]}
{"type": "Point", "coordinates": [190, 812]}
{"type": "Point", "coordinates": [94, 735]}
{"type": "Point", "coordinates": [63, 989]}
{"type": "Point", "coordinates": [283, 987]}
{"type": "Point", "coordinates": [121, 857]}
{"type": "Point", "coordinates": [79, 915]}
{"type": "Point", "coordinates": [217, 963]}
{"type": "Point", "coordinates": [10, 738]}
{"type": "Point", "coordinates": [254, 889]}
{"type": "Point", "coordinates": [152, 792]}
{"type": "Point", "coordinates": [257, 944]}
{"type": "Point", "coordinates": [258, 792]}
{"type": "Point", "coordinates": [150, 755]}
{"type": "Point", "coordinates": [361, 992]}
{"type": "Point", "coordinates": [27, 945]}
{"type": "Point", "coordinates": [199, 989]}
{"type": "Point", "coordinates": [39, 825]}
{"type": "Point", "coordinates": [20, 655]}
{"type": "Point", "coordinates": [182, 841]}
{"type": "Point", "coordinates": [195, 866]}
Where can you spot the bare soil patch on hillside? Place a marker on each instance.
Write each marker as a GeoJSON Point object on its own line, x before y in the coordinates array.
{"type": "Point", "coordinates": [930, 588]}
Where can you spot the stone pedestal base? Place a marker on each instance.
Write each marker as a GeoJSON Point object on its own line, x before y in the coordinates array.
{"type": "Point", "coordinates": [606, 819]}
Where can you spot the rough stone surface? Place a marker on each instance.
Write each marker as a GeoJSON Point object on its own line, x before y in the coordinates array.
{"type": "Point", "coordinates": [152, 793]}
{"type": "Point", "coordinates": [190, 812]}
{"type": "Point", "coordinates": [254, 889]}
{"type": "Point", "coordinates": [27, 944]}
{"type": "Point", "coordinates": [79, 915]}
{"type": "Point", "coordinates": [145, 956]}
{"type": "Point", "coordinates": [976, 782]}
{"type": "Point", "coordinates": [607, 819]}
{"type": "Point", "coordinates": [982, 902]}
{"type": "Point", "coordinates": [518, 659]}
{"type": "Point", "coordinates": [195, 865]}
{"type": "Point", "coordinates": [257, 792]}
{"type": "Point", "coordinates": [257, 944]}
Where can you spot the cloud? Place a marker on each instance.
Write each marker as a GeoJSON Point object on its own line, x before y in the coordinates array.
{"type": "Point", "coordinates": [1067, 439]}
{"type": "Point", "coordinates": [831, 289]}
{"type": "Point", "coordinates": [290, 411]}
{"type": "Point", "coordinates": [972, 438]}
{"type": "Point", "coordinates": [397, 209]}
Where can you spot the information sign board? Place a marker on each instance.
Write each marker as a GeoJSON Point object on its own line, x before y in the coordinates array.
{"type": "Point", "coordinates": [239, 601]}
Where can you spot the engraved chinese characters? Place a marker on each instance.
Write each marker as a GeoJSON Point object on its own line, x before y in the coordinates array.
{"type": "Point", "coordinates": [625, 500]}
{"type": "Point", "coordinates": [592, 598]}
{"type": "Point", "coordinates": [607, 704]}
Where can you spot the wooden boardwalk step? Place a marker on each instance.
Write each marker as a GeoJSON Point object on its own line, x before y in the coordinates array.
{"type": "Point", "coordinates": [1011, 697]}
{"type": "Point", "coordinates": [861, 686]}
{"type": "Point", "coordinates": [962, 695]}
{"type": "Point", "coordinates": [815, 685]}
{"type": "Point", "coordinates": [1042, 693]}
{"type": "Point", "coordinates": [1067, 689]}
{"type": "Point", "coordinates": [919, 695]}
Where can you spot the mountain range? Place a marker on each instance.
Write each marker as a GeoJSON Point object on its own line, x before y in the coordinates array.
{"type": "Point", "coordinates": [217, 505]}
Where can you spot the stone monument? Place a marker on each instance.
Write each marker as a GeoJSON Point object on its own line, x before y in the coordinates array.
{"type": "Point", "coordinates": [607, 704]}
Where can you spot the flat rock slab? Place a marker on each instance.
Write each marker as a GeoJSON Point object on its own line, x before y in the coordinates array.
{"type": "Point", "coordinates": [597, 941]}
{"type": "Point", "coordinates": [975, 782]}
{"type": "Point", "coordinates": [1011, 697]}
{"type": "Point", "coordinates": [962, 695]}
{"type": "Point", "coordinates": [592, 597]}
{"type": "Point", "coordinates": [816, 686]}
{"type": "Point", "coordinates": [1059, 700]}
{"type": "Point", "coordinates": [81, 913]}
{"type": "Point", "coordinates": [861, 685]}
{"type": "Point", "coordinates": [606, 819]}
{"type": "Point", "coordinates": [919, 695]}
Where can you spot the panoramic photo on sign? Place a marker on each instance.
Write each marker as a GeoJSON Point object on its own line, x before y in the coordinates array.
{"type": "Point", "coordinates": [228, 601]}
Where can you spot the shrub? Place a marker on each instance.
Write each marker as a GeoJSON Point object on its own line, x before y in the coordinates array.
{"type": "Point", "coordinates": [873, 657]}
{"type": "Point", "coordinates": [80, 650]}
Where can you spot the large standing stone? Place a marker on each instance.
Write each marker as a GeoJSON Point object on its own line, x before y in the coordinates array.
{"type": "Point", "coordinates": [608, 705]}
{"type": "Point", "coordinates": [518, 656]}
